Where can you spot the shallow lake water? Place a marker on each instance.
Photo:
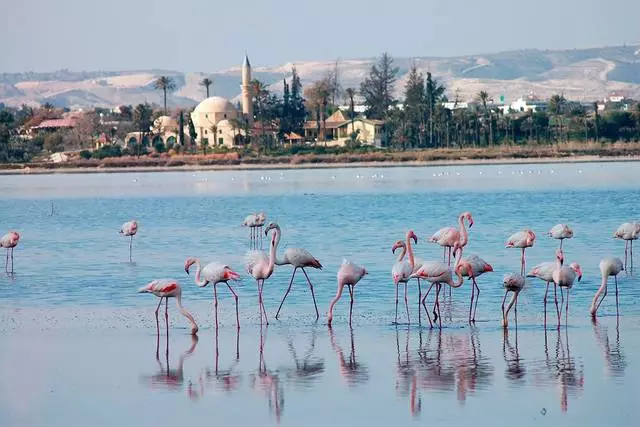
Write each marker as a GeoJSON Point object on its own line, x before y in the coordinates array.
{"type": "Point", "coordinates": [79, 346]}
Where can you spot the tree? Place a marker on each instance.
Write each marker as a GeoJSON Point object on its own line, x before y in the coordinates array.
{"type": "Point", "coordinates": [556, 107]}
{"type": "Point", "coordinates": [165, 84]}
{"type": "Point", "coordinates": [297, 103]}
{"type": "Point", "coordinates": [317, 96]}
{"type": "Point", "coordinates": [206, 82]}
{"type": "Point", "coordinates": [143, 120]}
{"type": "Point", "coordinates": [377, 87]}
{"type": "Point", "coordinates": [434, 92]}
{"type": "Point", "coordinates": [596, 120]}
{"type": "Point", "coordinates": [483, 97]}
{"type": "Point", "coordinates": [414, 103]}
{"type": "Point", "coordinates": [351, 94]}
{"type": "Point", "coordinates": [333, 79]}
{"type": "Point", "coordinates": [181, 128]}
{"type": "Point", "coordinates": [193, 136]}
{"type": "Point", "coordinates": [53, 142]}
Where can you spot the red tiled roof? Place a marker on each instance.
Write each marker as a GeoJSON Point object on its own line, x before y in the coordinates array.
{"type": "Point", "coordinates": [293, 136]}
{"type": "Point", "coordinates": [56, 123]}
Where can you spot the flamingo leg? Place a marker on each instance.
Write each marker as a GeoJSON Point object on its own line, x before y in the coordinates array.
{"type": "Point", "coordinates": [630, 256]}
{"type": "Point", "coordinates": [419, 299]}
{"type": "Point", "coordinates": [157, 310]}
{"type": "Point", "coordinates": [561, 240]}
{"type": "Point", "coordinates": [351, 303]}
{"type": "Point", "coordinates": [396, 304]}
{"type": "Point", "coordinates": [166, 312]}
{"type": "Point", "coordinates": [435, 303]}
{"type": "Point", "coordinates": [626, 246]}
{"type": "Point", "coordinates": [235, 296]}
{"type": "Point", "coordinates": [444, 254]}
{"type": "Point", "coordinates": [130, 247]}
{"type": "Point", "coordinates": [425, 306]}
{"type": "Point", "coordinates": [616, 281]}
{"type": "Point", "coordinates": [449, 260]}
{"type": "Point", "coordinates": [313, 295]}
{"type": "Point", "coordinates": [259, 300]}
{"type": "Point", "coordinates": [515, 313]}
{"type": "Point", "coordinates": [475, 308]}
{"type": "Point", "coordinates": [504, 319]}
{"type": "Point", "coordinates": [215, 304]}
{"type": "Point", "coordinates": [406, 302]}
{"type": "Point", "coordinates": [12, 271]}
{"type": "Point", "coordinates": [288, 290]}
{"type": "Point", "coordinates": [546, 291]}
{"type": "Point", "coordinates": [522, 263]}
{"type": "Point", "coordinates": [264, 310]}
{"type": "Point", "coordinates": [438, 306]}
{"type": "Point", "coordinates": [604, 295]}
{"type": "Point", "coordinates": [555, 296]}
{"type": "Point", "coordinates": [566, 311]}
{"type": "Point", "coordinates": [561, 304]}
{"type": "Point", "coordinates": [473, 294]}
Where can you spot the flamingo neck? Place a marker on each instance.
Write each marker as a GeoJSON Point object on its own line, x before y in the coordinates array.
{"type": "Point", "coordinates": [186, 314]}
{"type": "Point", "coordinates": [272, 251]}
{"type": "Point", "coordinates": [460, 278]}
{"type": "Point", "coordinates": [412, 262]}
{"type": "Point", "coordinates": [334, 301]}
{"type": "Point", "coordinates": [200, 282]}
{"type": "Point", "coordinates": [464, 236]}
{"type": "Point", "coordinates": [603, 286]}
{"type": "Point", "coordinates": [402, 254]}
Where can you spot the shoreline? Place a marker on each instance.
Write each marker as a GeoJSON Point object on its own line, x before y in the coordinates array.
{"type": "Point", "coordinates": [288, 166]}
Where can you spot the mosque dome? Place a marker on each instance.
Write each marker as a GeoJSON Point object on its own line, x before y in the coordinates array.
{"type": "Point", "coordinates": [215, 104]}
{"type": "Point", "coordinates": [165, 123]}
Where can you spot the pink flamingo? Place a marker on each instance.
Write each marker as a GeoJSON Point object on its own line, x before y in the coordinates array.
{"type": "Point", "coordinates": [300, 259]}
{"type": "Point", "coordinates": [129, 229]}
{"type": "Point", "coordinates": [608, 267]}
{"type": "Point", "coordinates": [447, 236]}
{"type": "Point", "coordinates": [9, 241]}
{"type": "Point", "coordinates": [544, 271]}
{"type": "Point", "coordinates": [349, 275]}
{"type": "Point", "coordinates": [564, 277]}
{"type": "Point", "coordinates": [629, 231]}
{"type": "Point", "coordinates": [168, 288]}
{"type": "Point", "coordinates": [214, 273]}
{"type": "Point", "coordinates": [261, 267]}
{"type": "Point", "coordinates": [402, 270]}
{"type": "Point", "coordinates": [512, 283]}
{"type": "Point", "coordinates": [561, 232]}
{"type": "Point", "coordinates": [471, 267]}
{"type": "Point", "coordinates": [436, 273]}
{"type": "Point", "coordinates": [255, 222]}
{"type": "Point", "coordinates": [522, 239]}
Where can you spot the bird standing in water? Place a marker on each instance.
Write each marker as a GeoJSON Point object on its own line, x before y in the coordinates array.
{"type": "Point", "coordinates": [129, 229]}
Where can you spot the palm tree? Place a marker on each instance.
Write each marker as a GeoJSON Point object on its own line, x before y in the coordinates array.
{"type": "Point", "coordinates": [351, 93]}
{"type": "Point", "coordinates": [596, 119]}
{"type": "Point", "coordinates": [556, 105]}
{"type": "Point", "coordinates": [483, 96]}
{"type": "Point", "coordinates": [165, 84]}
{"type": "Point", "coordinates": [206, 82]}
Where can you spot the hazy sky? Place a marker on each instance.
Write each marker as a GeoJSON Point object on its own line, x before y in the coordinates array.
{"type": "Point", "coordinates": [208, 35]}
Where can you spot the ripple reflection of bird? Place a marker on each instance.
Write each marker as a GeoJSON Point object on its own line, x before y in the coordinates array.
{"type": "Point", "coordinates": [515, 371]}
{"type": "Point", "coordinates": [434, 375]}
{"type": "Point", "coordinates": [268, 382]}
{"type": "Point", "coordinates": [407, 376]}
{"type": "Point", "coordinates": [308, 370]}
{"type": "Point", "coordinates": [563, 370]}
{"type": "Point", "coordinates": [614, 358]}
{"type": "Point", "coordinates": [225, 380]}
{"type": "Point", "coordinates": [352, 371]}
{"type": "Point", "coordinates": [167, 378]}
{"type": "Point", "coordinates": [474, 370]}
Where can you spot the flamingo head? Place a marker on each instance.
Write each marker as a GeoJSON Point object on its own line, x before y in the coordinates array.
{"type": "Point", "coordinates": [532, 236]}
{"type": "Point", "coordinates": [147, 288]}
{"type": "Point", "coordinates": [568, 231]}
{"type": "Point", "coordinates": [468, 217]}
{"type": "Point", "coordinates": [576, 267]}
{"type": "Point", "coordinates": [398, 244]}
{"type": "Point", "coordinates": [364, 271]}
{"type": "Point", "coordinates": [188, 263]}
{"type": "Point", "coordinates": [560, 255]}
{"type": "Point", "coordinates": [457, 249]}
{"type": "Point", "coordinates": [271, 226]}
{"type": "Point", "coordinates": [412, 235]}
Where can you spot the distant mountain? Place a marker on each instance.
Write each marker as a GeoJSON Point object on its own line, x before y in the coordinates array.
{"type": "Point", "coordinates": [581, 74]}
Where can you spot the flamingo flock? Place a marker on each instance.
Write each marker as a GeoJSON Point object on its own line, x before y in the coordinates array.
{"type": "Point", "coordinates": [261, 265]}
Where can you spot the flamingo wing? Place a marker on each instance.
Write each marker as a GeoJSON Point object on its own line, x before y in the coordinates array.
{"type": "Point", "coordinates": [445, 236]}
{"type": "Point", "coordinates": [543, 271]}
{"type": "Point", "coordinates": [401, 271]}
{"type": "Point", "coordinates": [478, 265]}
{"type": "Point", "coordinates": [216, 272]}
{"type": "Point", "coordinates": [350, 273]}
{"type": "Point", "coordinates": [561, 231]}
{"type": "Point", "coordinates": [431, 270]}
{"type": "Point", "coordinates": [299, 257]}
{"type": "Point", "coordinates": [513, 281]}
{"type": "Point", "coordinates": [253, 258]}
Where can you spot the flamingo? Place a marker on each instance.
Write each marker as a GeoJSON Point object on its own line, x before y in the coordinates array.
{"type": "Point", "coordinates": [447, 236]}
{"type": "Point", "coordinates": [544, 271]}
{"type": "Point", "coordinates": [214, 273]}
{"type": "Point", "coordinates": [471, 267]}
{"type": "Point", "coordinates": [169, 288]}
{"type": "Point", "coordinates": [608, 267]}
{"type": "Point", "coordinates": [512, 283]}
{"type": "Point", "coordinates": [255, 222]}
{"type": "Point", "coordinates": [417, 263]}
{"type": "Point", "coordinates": [402, 270]}
{"type": "Point", "coordinates": [129, 229]}
{"type": "Point", "coordinates": [522, 239]}
{"type": "Point", "coordinates": [9, 241]}
{"type": "Point", "coordinates": [436, 273]}
{"type": "Point", "coordinates": [629, 231]}
{"type": "Point", "coordinates": [261, 267]}
{"type": "Point", "coordinates": [564, 277]}
{"type": "Point", "coordinates": [349, 275]}
{"type": "Point", "coordinates": [300, 259]}
{"type": "Point", "coordinates": [560, 232]}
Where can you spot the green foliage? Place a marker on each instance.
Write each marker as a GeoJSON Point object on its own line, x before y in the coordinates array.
{"type": "Point", "coordinates": [54, 142]}
{"type": "Point", "coordinates": [377, 87]}
{"type": "Point", "coordinates": [165, 84]}
{"type": "Point", "coordinates": [85, 154]}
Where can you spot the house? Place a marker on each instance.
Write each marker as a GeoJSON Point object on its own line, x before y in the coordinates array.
{"type": "Point", "coordinates": [615, 97]}
{"type": "Point", "coordinates": [522, 105]}
{"type": "Point", "coordinates": [338, 129]}
{"type": "Point", "coordinates": [52, 125]}
{"type": "Point", "coordinates": [293, 138]}
{"type": "Point", "coordinates": [455, 105]}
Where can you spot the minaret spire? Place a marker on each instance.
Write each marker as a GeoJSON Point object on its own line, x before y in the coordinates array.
{"type": "Point", "coordinates": [247, 101]}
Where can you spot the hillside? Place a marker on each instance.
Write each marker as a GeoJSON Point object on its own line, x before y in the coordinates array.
{"type": "Point", "coordinates": [581, 74]}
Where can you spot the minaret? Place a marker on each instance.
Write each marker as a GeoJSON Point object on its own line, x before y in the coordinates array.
{"type": "Point", "coordinates": [247, 101]}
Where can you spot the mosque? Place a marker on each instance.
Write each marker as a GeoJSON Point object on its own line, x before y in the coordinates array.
{"type": "Point", "coordinates": [214, 114]}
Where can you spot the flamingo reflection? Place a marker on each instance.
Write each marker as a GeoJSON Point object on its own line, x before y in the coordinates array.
{"type": "Point", "coordinates": [474, 371]}
{"type": "Point", "coordinates": [352, 371]}
{"type": "Point", "coordinates": [515, 371]}
{"type": "Point", "coordinates": [307, 370]}
{"type": "Point", "coordinates": [614, 358]}
{"type": "Point", "coordinates": [225, 380]}
{"type": "Point", "coordinates": [562, 369]}
{"type": "Point", "coordinates": [407, 376]}
{"type": "Point", "coordinates": [167, 378]}
{"type": "Point", "coordinates": [268, 382]}
{"type": "Point", "coordinates": [434, 375]}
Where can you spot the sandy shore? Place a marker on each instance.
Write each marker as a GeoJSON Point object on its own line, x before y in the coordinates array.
{"type": "Point", "coordinates": [503, 161]}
